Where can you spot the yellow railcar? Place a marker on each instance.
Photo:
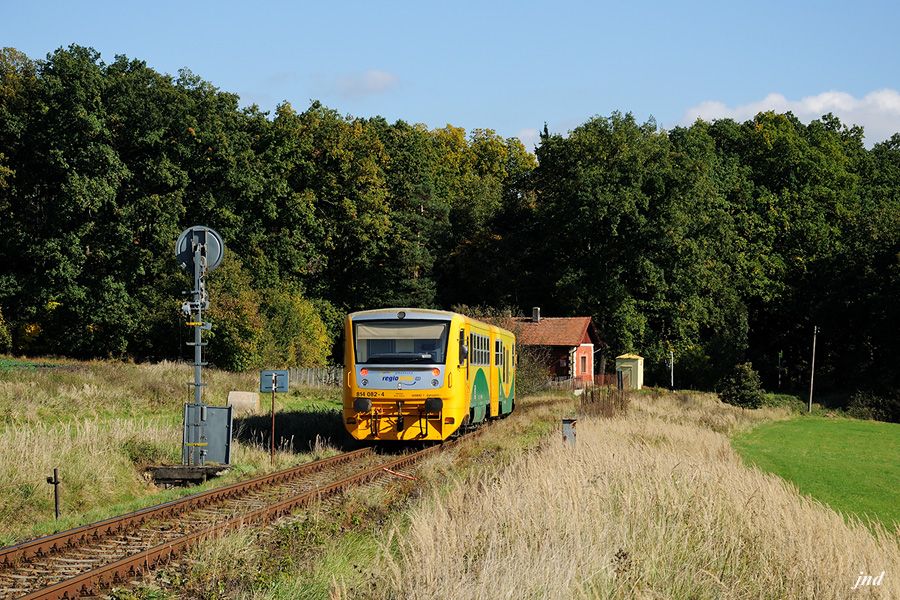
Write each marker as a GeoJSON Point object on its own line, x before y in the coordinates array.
{"type": "Point", "coordinates": [413, 374]}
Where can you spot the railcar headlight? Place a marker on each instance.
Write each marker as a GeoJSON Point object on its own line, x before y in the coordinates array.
{"type": "Point", "coordinates": [435, 382]}
{"type": "Point", "coordinates": [365, 382]}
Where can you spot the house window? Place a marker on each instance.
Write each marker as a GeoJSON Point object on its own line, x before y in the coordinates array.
{"type": "Point", "coordinates": [583, 365]}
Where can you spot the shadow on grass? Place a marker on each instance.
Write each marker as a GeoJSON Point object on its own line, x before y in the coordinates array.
{"type": "Point", "coordinates": [296, 431]}
{"type": "Point", "coordinates": [307, 430]}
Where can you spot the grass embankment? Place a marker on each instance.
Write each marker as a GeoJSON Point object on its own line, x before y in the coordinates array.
{"type": "Point", "coordinates": [102, 422]}
{"type": "Point", "coordinates": [853, 466]}
{"type": "Point", "coordinates": [656, 504]}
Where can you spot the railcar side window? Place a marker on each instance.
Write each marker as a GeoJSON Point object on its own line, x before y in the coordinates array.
{"type": "Point", "coordinates": [481, 353]}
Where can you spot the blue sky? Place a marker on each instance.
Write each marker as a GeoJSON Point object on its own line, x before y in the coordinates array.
{"type": "Point", "coordinates": [508, 66]}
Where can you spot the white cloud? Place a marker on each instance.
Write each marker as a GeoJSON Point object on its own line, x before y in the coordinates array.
{"type": "Point", "coordinates": [373, 81]}
{"type": "Point", "coordinates": [529, 138]}
{"type": "Point", "coordinates": [877, 112]}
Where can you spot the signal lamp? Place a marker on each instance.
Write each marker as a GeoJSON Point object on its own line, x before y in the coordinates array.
{"type": "Point", "coordinates": [363, 371]}
{"type": "Point", "coordinates": [435, 371]}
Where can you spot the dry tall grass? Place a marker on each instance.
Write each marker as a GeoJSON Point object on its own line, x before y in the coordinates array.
{"type": "Point", "coordinates": [66, 390]}
{"type": "Point", "coordinates": [653, 505]}
{"type": "Point", "coordinates": [96, 459]}
{"type": "Point", "coordinates": [101, 423]}
{"type": "Point", "coordinates": [101, 463]}
{"type": "Point", "coordinates": [701, 410]}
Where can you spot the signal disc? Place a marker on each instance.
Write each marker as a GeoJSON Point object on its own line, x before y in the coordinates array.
{"type": "Point", "coordinates": [184, 247]}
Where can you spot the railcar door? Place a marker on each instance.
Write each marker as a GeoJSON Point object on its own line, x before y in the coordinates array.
{"type": "Point", "coordinates": [465, 358]}
{"type": "Point", "coordinates": [492, 375]}
{"type": "Point", "coordinates": [479, 373]}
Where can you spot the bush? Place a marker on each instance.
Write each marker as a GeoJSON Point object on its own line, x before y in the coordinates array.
{"type": "Point", "coordinates": [741, 387]}
{"type": "Point", "coordinates": [532, 372]}
{"type": "Point", "coordinates": [870, 405]}
{"type": "Point", "coordinates": [300, 336]}
{"type": "Point", "coordinates": [143, 453]}
{"type": "Point", "coordinates": [239, 340]}
{"type": "Point", "coordinates": [786, 400]}
{"type": "Point", "coordinates": [5, 338]}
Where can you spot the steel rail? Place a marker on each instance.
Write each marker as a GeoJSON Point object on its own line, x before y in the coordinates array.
{"type": "Point", "coordinates": [124, 569]}
{"type": "Point", "coordinates": [71, 538]}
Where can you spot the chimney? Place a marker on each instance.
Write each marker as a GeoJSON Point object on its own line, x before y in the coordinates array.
{"type": "Point", "coordinates": [536, 314]}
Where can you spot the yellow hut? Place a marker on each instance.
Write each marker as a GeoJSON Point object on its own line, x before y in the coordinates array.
{"type": "Point", "coordinates": [630, 371]}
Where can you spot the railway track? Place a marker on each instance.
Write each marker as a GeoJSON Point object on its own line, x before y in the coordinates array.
{"type": "Point", "coordinates": [81, 561]}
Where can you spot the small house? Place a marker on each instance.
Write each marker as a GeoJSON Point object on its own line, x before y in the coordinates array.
{"type": "Point", "coordinates": [570, 343]}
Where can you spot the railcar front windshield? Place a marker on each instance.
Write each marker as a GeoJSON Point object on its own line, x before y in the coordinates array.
{"type": "Point", "coordinates": [400, 342]}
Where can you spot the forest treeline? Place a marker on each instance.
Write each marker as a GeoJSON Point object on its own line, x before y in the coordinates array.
{"type": "Point", "coordinates": [721, 242]}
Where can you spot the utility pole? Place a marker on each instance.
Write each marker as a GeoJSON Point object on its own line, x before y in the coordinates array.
{"type": "Point", "coordinates": [779, 369]}
{"type": "Point", "coordinates": [671, 369]}
{"type": "Point", "coordinates": [812, 370]}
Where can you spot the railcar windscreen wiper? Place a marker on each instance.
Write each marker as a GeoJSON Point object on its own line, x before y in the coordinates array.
{"type": "Point", "coordinates": [400, 358]}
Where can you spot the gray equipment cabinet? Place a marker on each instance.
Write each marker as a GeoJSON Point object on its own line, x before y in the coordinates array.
{"type": "Point", "coordinates": [212, 424]}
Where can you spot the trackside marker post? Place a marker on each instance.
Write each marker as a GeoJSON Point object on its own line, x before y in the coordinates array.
{"type": "Point", "coordinates": [272, 441]}
{"type": "Point", "coordinates": [273, 381]}
{"type": "Point", "coordinates": [54, 481]}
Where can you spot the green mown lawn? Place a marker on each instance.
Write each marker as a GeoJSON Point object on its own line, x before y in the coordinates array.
{"type": "Point", "coordinates": [853, 466]}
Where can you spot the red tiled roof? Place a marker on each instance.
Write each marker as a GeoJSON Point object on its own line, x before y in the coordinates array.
{"type": "Point", "coordinates": [553, 331]}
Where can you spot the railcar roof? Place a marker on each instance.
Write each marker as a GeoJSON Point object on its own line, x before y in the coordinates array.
{"type": "Point", "coordinates": [416, 313]}
{"type": "Point", "coordinates": [391, 313]}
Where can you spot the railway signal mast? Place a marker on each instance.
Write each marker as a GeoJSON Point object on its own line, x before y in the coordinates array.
{"type": "Point", "coordinates": [198, 250]}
